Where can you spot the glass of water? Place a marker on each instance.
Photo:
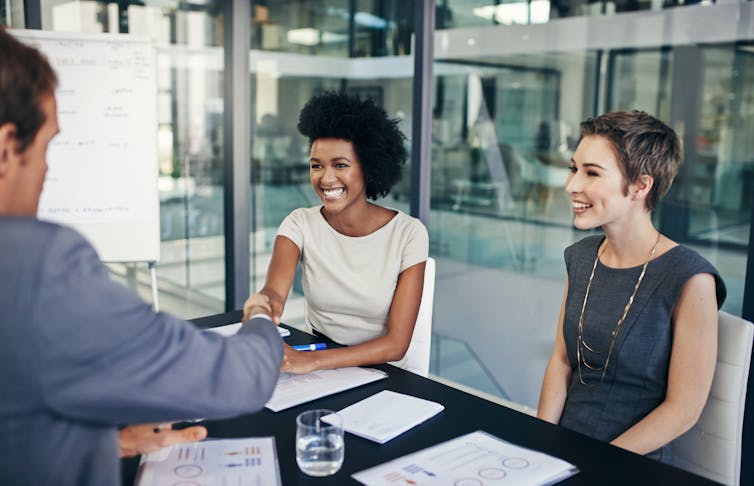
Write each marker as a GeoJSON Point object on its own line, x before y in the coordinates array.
{"type": "Point", "coordinates": [319, 444]}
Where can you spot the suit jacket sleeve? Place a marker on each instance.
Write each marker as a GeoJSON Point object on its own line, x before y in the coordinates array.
{"type": "Point", "coordinates": [104, 355]}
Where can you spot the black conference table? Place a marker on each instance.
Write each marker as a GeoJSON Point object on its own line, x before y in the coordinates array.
{"type": "Point", "coordinates": [599, 463]}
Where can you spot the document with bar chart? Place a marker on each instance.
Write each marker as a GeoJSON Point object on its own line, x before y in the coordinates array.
{"type": "Point", "coordinates": [248, 462]}
{"type": "Point", "coordinates": [474, 459]}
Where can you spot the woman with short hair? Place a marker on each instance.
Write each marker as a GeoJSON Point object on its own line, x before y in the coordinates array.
{"type": "Point", "coordinates": [636, 344]}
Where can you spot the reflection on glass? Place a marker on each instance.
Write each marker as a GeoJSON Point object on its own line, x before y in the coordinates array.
{"type": "Point", "coordinates": [478, 13]}
{"type": "Point", "coordinates": [190, 115]}
{"type": "Point", "coordinates": [12, 14]}
{"type": "Point", "coordinates": [338, 28]}
{"type": "Point", "coordinates": [504, 129]}
{"type": "Point", "coordinates": [641, 81]}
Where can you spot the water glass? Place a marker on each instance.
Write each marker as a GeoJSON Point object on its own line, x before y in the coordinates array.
{"type": "Point", "coordinates": [319, 444]}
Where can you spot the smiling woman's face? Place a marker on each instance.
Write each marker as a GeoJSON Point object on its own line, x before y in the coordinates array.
{"type": "Point", "coordinates": [596, 184]}
{"type": "Point", "coordinates": [336, 174]}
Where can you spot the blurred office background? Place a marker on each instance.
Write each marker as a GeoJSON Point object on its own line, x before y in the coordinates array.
{"type": "Point", "coordinates": [511, 81]}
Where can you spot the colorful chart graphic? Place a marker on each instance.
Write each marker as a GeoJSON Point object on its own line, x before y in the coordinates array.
{"type": "Point", "coordinates": [214, 462]}
{"type": "Point", "coordinates": [476, 459]}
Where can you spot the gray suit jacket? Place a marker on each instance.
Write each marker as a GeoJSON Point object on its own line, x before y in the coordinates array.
{"type": "Point", "coordinates": [80, 353]}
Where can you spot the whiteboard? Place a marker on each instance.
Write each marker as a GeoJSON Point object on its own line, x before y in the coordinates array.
{"type": "Point", "coordinates": [103, 166]}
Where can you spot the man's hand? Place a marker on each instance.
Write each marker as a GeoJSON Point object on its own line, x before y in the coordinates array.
{"type": "Point", "coordinates": [259, 304]}
{"type": "Point", "coordinates": [141, 439]}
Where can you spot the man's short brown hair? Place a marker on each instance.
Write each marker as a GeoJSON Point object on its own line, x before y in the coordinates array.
{"type": "Point", "coordinates": [25, 78]}
{"type": "Point", "coordinates": [643, 145]}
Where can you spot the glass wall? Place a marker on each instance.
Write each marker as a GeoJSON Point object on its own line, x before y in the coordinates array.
{"type": "Point", "coordinates": [190, 118]}
{"type": "Point", "coordinates": [508, 101]}
{"type": "Point", "coordinates": [12, 14]}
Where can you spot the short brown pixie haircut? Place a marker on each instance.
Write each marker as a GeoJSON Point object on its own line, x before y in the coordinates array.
{"type": "Point", "coordinates": [25, 77]}
{"type": "Point", "coordinates": [643, 145]}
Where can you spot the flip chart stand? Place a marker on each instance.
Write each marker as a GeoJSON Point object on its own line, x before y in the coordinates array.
{"type": "Point", "coordinates": [153, 276]}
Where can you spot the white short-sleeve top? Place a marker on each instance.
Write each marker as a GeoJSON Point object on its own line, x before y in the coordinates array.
{"type": "Point", "coordinates": [348, 281]}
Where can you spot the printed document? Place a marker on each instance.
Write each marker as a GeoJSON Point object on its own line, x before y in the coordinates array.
{"type": "Point", "coordinates": [293, 390]}
{"type": "Point", "coordinates": [475, 458]}
{"type": "Point", "coordinates": [386, 415]}
{"type": "Point", "coordinates": [248, 462]}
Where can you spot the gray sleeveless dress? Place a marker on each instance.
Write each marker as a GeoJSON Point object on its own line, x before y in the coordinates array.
{"type": "Point", "coordinates": [637, 376]}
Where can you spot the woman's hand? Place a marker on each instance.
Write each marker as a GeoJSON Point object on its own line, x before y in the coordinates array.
{"type": "Point", "coordinates": [264, 301]}
{"type": "Point", "coordinates": [141, 439]}
{"type": "Point", "coordinates": [257, 304]}
{"type": "Point", "coordinates": [298, 362]}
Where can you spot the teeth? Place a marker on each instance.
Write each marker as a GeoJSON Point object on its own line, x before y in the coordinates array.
{"type": "Point", "coordinates": [577, 205]}
{"type": "Point", "coordinates": [333, 193]}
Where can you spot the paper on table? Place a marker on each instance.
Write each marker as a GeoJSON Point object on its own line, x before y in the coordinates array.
{"type": "Point", "coordinates": [232, 329]}
{"type": "Point", "coordinates": [474, 458]}
{"type": "Point", "coordinates": [229, 461]}
{"type": "Point", "coordinates": [386, 415]}
{"type": "Point", "coordinates": [293, 390]}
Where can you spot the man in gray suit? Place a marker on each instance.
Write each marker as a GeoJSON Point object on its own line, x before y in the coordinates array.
{"type": "Point", "coordinates": [78, 352]}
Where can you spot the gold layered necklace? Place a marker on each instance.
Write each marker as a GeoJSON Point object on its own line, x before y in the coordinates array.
{"type": "Point", "coordinates": [581, 344]}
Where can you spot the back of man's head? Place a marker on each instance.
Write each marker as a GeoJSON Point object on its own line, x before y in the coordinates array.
{"type": "Point", "coordinates": [25, 77]}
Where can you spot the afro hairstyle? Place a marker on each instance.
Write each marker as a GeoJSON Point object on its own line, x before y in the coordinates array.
{"type": "Point", "coordinates": [376, 138]}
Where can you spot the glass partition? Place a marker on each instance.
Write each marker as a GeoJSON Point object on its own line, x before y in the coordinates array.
{"type": "Point", "coordinates": [506, 123]}
{"type": "Point", "coordinates": [188, 37]}
{"type": "Point", "coordinates": [508, 99]}
{"type": "Point", "coordinates": [503, 134]}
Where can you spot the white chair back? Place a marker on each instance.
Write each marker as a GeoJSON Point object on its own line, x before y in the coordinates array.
{"type": "Point", "coordinates": [712, 447]}
{"type": "Point", "coordinates": [417, 356]}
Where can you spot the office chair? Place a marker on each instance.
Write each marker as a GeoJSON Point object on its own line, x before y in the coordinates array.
{"type": "Point", "coordinates": [712, 447]}
{"type": "Point", "coordinates": [417, 356]}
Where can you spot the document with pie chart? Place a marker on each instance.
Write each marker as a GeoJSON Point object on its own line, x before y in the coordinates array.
{"type": "Point", "coordinates": [475, 459]}
{"type": "Point", "coordinates": [249, 461]}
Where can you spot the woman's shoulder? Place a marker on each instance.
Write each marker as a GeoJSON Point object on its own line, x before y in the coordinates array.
{"type": "Point", "coordinates": [299, 223]}
{"type": "Point", "coordinates": [681, 258]}
{"type": "Point", "coordinates": [301, 215]}
{"type": "Point", "coordinates": [681, 263]}
{"type": "Point", "coordinates": [406, 219]}
{"type": "Point", "coordinates": [409, 224]}
{"type": "Point", "coordinates": [585, 246]}
{"type": "Point", "coordinates": [306, 212]}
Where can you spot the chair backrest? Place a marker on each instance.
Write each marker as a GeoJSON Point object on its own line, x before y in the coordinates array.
{"type": "Point", "coordinates": [712, 447]}
{"type": "Point", "coordinates": [417, 356]}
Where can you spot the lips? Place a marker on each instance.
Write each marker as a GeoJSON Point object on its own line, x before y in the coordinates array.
{"type": "Point", "coordinates": [333, 193]}
{"type": "Point", "coordinates": [579, 208]}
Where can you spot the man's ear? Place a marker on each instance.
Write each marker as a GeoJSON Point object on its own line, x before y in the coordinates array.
{"type": "Point", "coordinates": [8, 146]}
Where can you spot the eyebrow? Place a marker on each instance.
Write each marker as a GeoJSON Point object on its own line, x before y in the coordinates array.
{"type": "Point", "coordinates": [588, 164]}
{"type": "Point", "coordinates": [335, 159]}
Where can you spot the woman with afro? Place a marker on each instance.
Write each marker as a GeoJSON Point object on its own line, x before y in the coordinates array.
{"type": "Point", "coordinates": [362, 264]}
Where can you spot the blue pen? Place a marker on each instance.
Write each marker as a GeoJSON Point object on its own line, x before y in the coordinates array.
{"type": "Point", "coordinates": [310, 347]}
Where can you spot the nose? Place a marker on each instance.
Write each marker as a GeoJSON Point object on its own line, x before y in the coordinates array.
{"type": "Point", "coordinates": [328, 175]}
{"type": "Point", "coordinates": [573, 183]}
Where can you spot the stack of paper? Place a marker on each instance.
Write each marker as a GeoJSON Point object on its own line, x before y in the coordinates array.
{"type": "Point", "coordinates": [475, 458]}
{"type": "Point", "coordinates": [386, 415]}
{"type": "Point", "coordinates": [293, 390]}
